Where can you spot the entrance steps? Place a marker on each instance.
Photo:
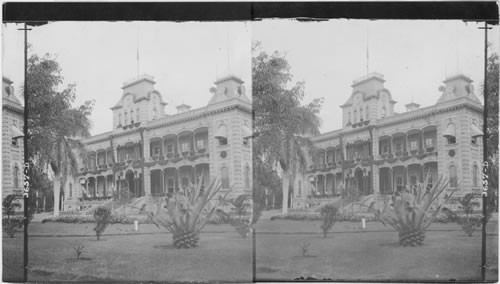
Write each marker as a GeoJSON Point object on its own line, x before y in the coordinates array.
{"type": "Point", "coordinates": [138, 206]}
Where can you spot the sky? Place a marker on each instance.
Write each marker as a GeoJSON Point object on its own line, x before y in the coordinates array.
{"type": "Point", "coordinates": [184, 58]}
{"type": "Point", "coordinates": [414, 57]}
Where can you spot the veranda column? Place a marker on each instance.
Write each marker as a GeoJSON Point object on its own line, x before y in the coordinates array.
{"type": "Point", "coordinates": [422, 146]}
{"type": "Point", "coordinates": [324, 184]}
{"type": "Point", "coordinates": [316, 183]}
{"type": "Point", "coordinates": [147, 182]}
{"type": "Point", "coordinates": [194, 143]}
{"type": "Point", "coordinates": [391, 180]}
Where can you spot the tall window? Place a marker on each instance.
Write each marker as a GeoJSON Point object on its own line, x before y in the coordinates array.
{"type": "Point", "coordinates": [367, 115]}
{"type": "Point", "coordinates": [137, 115]}
{"type": "Point", "coordinates": [170, 148]}
{"type": "Point", "coordinates": [126, 118]}
{"type": "Point", "coordinates": [475, 175]}
{"type": "Point", "coordinates": [247, 176]}
{"type": "Point", "coordinates": [131, 116]}
{"type": "Point", "coordinates": [361, 113]}
{"type": "Point", "coordinates": [170, 185]}
{"type": "Point", "coordinates": [119, 119]}
{"type": "Point", "coordinates": [70, 190]}
{"type": "Point", "coordinates": [185, 146]}
{"type": "Point", "coordinates": [453, 176]}
{"type": "Point", "coordinates": [355, 116]}
{"type": "Point", "coordinates": [154, 113]}
{"type": "Point", "coordinates": [16, 176]}
{"type": "Point", "coordinates": [200, 144]}
{"type": "Point", "coordinates": [185, 181]}
{"type": "Point", "coordinates": [383, 112]}
{"type": "Point", "coordinates": [413, 145]}
{"type": "Point", "coordinates": [225, 177]}
{"type": "Point", "coordinates": [428, 142]}
{"type": "Point", "coordinates": [399, 183]}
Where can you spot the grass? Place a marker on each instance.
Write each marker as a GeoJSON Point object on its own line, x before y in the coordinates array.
{"type": "Point", "coordinates": [123, 254]}
{"type": "Point", "coordinates": [349, 253]}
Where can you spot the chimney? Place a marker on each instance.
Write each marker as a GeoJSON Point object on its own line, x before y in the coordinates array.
{"type": "Point", "coordinates": [412, 106]}
{"type": "Point", "coordinates": [183, 108]}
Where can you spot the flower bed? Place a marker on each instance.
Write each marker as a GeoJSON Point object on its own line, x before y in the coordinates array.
{"type": "Point", "coordinates": [350, 217]}
{"type": "Point", "coordinates": [116, 219]}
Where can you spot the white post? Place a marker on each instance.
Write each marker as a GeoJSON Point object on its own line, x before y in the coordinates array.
{"type": "Point", "coordinates": [363, 223]}
{"type": "Point", "coordinates": [136, 225]}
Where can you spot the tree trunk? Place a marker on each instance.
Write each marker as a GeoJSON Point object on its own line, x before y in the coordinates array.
{"type": "Point", "coordinates": [265, 199]}
{"type": "Point", "coordinates": [57, 189]}
{"type": "Point", "coordinates": [285, 185]}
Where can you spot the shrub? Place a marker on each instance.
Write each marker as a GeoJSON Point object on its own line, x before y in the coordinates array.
{"type": "Point", "coordinates": [304, 247]}
{"type": "Point", "coordinates": [11, 225]}
{"type": "Point", "coordinates": [10, 204]}
{"type": "Point", "coordinates": [241, 219]}
{"type": "Point", "coordinates": [78, 251]}
{"type": "Point", "coordinates": [329, 214]}
{"type": "Point", "coordinates": [102, 216]}
{"type": "Point", "coordinates": [466, 220]}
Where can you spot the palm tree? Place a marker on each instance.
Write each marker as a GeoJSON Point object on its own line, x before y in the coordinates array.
{"type": "Point", "coordinates": [296, 147]}
{"type": "Point", "coordinates": [66, 150]}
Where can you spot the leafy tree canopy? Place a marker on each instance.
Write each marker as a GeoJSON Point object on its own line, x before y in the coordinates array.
{"type": "Point", "coordinates": [51, 114]}
{"type": "Point", "coordinates": [281, 122]}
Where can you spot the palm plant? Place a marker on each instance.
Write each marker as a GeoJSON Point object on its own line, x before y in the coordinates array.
{"type": "Point", "coordinates": [466, 221]}
{"type": "Point", "coordinates": [187, 212]}
{"type": "Point", "coordinates": [242, 223]}
{"type": "Point", "coordinates": [414, 210]}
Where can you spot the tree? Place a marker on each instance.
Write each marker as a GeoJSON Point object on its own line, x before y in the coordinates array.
{"type": "Point", "coordinates": [53, 121]}
{"type": "Point", "coordinates": [492, 77]}
{"type": "Point", "coordinates": [281, 122]}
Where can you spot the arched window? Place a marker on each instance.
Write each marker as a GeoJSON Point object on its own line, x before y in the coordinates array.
{"type": "Point", "coordinates": [383, 112]}
{"type": "Point", "coordinates": [137, 115]}
{"type": "Point", "coordinates": [247, 176]}
{"type": "Point", "coordinates": [70, 190]}
{"type": "Point", "coordinates": [225, 177]}
{"type": "Point", "coordinates": [16, 176]}
{"type": "Point", "coordinates": [361, 113]}
{"type": "Point", "coordinates": [154, 113]}
{"type": "Point", "coordinates": [119, 119]}
{"type": "Point", "coordinates": [475, 174]}
{"type": "Point", "coordinates": [126, 118]}
{"type": "Point", "coordinates": [131, 116]}
{"type": "Point", "coordinates": [355, 116]}
{"type": "Point", "coordinates": [367, 116]}
{"type": "Point", "coordinates": [453, 176]}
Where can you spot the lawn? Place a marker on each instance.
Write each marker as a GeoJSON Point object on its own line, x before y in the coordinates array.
{"type": "Point", "coordinates": [123, 254]}
{"type": "Point", "coordinates": [350, 253]}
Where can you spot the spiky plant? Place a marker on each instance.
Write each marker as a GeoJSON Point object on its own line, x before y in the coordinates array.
{"type": "Point", "coordinates": [466, 221]}
{"type": "Point", "coordinates": [414, 210]}
{"type": "Point", "coordinates": [187, 212]}
{"type": "Point", "coordinates": [240, 221]}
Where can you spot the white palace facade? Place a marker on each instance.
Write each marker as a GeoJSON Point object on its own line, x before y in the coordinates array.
{"type": "Point", "coordinates": [378, 151]}
{"type": "Point", "coordinates": [152, 153]}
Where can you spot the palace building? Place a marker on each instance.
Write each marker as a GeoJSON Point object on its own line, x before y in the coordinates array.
{"type": "Point", "coordinates": [378, 151]}
{"type": "Point", "coordinates": [152, 153]}
{"type": "Point", "coordinates": [12, 140]}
